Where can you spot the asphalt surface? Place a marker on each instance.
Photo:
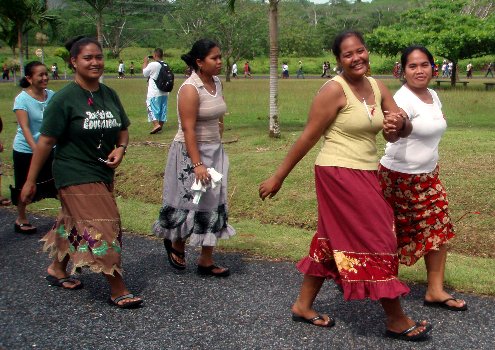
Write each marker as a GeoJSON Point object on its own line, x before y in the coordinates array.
{"type": "Point", "coordinates": [248, 310]}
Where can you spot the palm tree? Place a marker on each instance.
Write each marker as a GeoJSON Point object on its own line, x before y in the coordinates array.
{"type": "Point", "coordinates": [274, 126]}
{"type": "Point", "coordinates": [24, 14]}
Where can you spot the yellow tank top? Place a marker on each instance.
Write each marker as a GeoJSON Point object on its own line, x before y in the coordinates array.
{"type": "Point", "coordinates": [350, 141]}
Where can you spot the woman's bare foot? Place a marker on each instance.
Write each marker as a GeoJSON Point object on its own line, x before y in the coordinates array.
{"type": "Point", "coordinates": [125, 301]}
{"type": "Point", "coordinates": [310, 314]}
{"type": "Point", "coordinates": [446, 298]}
{"type": "Point", "coordinates": [404, 323]}
{"type": "Point", "coordinates": [56, 271]}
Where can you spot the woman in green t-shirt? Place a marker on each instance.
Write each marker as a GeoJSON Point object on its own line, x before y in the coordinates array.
{"type": "Point", "coordinates": [88, 125]}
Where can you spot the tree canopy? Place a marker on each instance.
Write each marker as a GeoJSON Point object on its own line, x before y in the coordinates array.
{"type": "Point", "coordinates": [450, 29]}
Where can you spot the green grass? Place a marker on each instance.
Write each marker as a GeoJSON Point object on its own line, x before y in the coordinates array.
{"type": "Point", "coordinates": [281, 228]}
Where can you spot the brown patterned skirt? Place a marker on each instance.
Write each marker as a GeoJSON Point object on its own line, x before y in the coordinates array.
{"type": "Point", "coordinates": [88, 228]}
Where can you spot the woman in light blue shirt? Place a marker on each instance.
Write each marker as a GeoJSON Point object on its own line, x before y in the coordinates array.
{"type": "Point", "coordinates": [29, 106]}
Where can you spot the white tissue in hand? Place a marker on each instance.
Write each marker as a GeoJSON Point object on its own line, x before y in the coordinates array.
{"type": "Point", "coordinates": [198, 188]}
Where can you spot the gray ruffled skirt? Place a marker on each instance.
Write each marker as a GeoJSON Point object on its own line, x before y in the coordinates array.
{"type": "Point", "coordinates": [180, 219]}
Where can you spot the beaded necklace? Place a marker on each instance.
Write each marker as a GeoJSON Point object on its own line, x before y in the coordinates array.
{"type": "Point", "coordinates": [92, 104]}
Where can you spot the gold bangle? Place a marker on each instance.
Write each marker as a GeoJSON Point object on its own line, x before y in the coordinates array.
{"type": "Point", "coordinates": [195, 165]}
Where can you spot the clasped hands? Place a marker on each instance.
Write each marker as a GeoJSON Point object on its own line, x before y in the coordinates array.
{"type": "Point", "coordinates": [394, 122]}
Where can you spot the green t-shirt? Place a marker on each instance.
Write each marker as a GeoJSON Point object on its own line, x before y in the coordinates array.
{"type": "Point", "coordinates": [81, 122]}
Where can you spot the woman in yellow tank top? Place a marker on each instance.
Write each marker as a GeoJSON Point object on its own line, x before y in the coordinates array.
{"type": "Point", "coordinates": [355, 243]}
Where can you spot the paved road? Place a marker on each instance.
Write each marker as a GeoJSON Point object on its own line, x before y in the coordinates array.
{"type": "Point", "coordinates": [248, 310]}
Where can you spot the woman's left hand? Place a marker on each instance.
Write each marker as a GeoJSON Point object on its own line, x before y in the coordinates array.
{"type": "Point", "coordinates": [201, 174]}
{"type": "Point", "coordinates": [115, 157]}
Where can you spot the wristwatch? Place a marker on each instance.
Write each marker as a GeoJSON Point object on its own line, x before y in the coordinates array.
{"type": "Point", "coordinates": [123, 146]}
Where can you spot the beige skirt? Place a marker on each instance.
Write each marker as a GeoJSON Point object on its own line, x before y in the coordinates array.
{"type": "Point", "coordinates": [88, 229]}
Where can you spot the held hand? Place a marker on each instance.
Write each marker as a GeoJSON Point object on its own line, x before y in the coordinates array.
{"type": "Point", "coordinates": [269, 187]}
{"type": "Point", "coordinates": [28, 192]}
{"type": "Point", "coordinates": [115, 157]}
{"type": "Point", "coordinates": [202, 175]}
{"type": "Point", "coordinates": [392, 122]}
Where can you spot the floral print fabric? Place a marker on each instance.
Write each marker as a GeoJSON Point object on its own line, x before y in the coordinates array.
{"type": "Point", "coordinates": [421, 212]}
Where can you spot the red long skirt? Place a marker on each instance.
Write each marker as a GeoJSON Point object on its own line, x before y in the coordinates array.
{"type": "Point", "coordinates": [355, 242]}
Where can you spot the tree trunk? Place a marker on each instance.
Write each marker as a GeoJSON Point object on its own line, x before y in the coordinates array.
{"type": "Point", "coordinates": [99, 32]}
{"type": "Point", "coordinates": [274, 130]}
{"type": "Point", "coordinates": [454, 74]}
{"type": "Point", "coordinates": [21, 51]}
{"type": "Point", "coordinates": [228, 69]}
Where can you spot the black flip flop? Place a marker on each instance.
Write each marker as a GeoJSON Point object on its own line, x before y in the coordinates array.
{"type": "Point", "coordinates": [208, 271]}
{"type": "Point", "coordinates": [331, 321]}
{"type": "Point", "coordinates": [404, 335]}
{"type": "Point", "coordinates": [59, 282]}
{"type": "Point", "coordinates": [129, 305]}
{"type": "Point", "coordinates": [19, 228]}
{"type": "Point", "coordinates": [155, 130]}
{"type": "Point", "coordinates": [170, 250]}
{"type": "Point", "coordinates": [444, 305]}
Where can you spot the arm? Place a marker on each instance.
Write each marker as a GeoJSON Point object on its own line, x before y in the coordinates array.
{"type": "Point", "coordinates": [146, 72]}
{"type": "Point", "coordinates": [188, 104]}
{"type": "Point", "coordinates": [43, 149]}
{"type": "Point", "coordinates": [117, 155]}
{"type": "Point", "coordinates": [396, 123]}
{"type": "Point", "coordinates": [23, 120]}
{"type": "Point", "coordinates": [321, 115]}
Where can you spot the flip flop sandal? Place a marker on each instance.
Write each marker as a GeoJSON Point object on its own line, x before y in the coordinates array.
{"type": "Point", "coordinates": [129, 305]}
{"type": "Point", "coordinates": [5, 202]}
{"type": "Point", "coordinates": [404, 335]}
{"type": "Point", "coordinates": [170, 250]}
{"type": "Point", "coordinates": [331, 321]}
{"type": "Point", "coordinates": [59, 282]}
{"type": "Point", "coordinates": [444, 305]}
{"type": "Point", "coordinates": [155, 130]}
{"type": "Point", "coordinates": [208, 271]}
{"type": "Point", "coordinates": [28, 231]}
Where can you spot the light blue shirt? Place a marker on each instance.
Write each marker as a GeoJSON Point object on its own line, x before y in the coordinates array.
{"type": "Point", "coordinates": [34, 109]}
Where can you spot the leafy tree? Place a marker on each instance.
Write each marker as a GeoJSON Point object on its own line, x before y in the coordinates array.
{"type": "Point", "coordinates": [99, 6]}
{"type": "Point", "coordinates": [228, 29]}
{"type": "Point", "coordinates": [24, 14]}
{"type": "Point", "coordinates": [443, 26]}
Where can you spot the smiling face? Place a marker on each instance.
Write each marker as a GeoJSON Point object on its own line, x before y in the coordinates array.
{"type": "Point", "coordinates": [89, 63]}
{"type": "Point", "coordinates": [38, 78]}
{"type": "Point", "coordinates": [353, 58]}
{"type": "Point", "coordinates": [417, 71]}
{"type": "Point", "coordinates": [212, 63]}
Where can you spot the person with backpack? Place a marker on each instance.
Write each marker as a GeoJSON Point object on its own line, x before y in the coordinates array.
{"type": "Point", "coordinates": [160, 83]}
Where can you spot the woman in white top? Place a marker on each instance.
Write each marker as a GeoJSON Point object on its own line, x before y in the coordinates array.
{"type": "Point", "coordinates": [196, 150]}
{"type": "Point", "coordinates": [409, 178]}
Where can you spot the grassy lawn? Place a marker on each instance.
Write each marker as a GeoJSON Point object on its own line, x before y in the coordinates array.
{"type": "Point", "coordinates": [281, 228]}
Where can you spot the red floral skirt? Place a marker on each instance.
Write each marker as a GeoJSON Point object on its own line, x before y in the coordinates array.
{"type": "Point", "coordinates": [421, 212]}
{"type": "Point", "coordinates": [355, 241]}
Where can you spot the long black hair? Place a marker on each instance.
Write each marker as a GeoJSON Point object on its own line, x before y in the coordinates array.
{"type": "Point", "coordinates": [28, 72]}
{"type": "Point", "coordinates": [199, 50]}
